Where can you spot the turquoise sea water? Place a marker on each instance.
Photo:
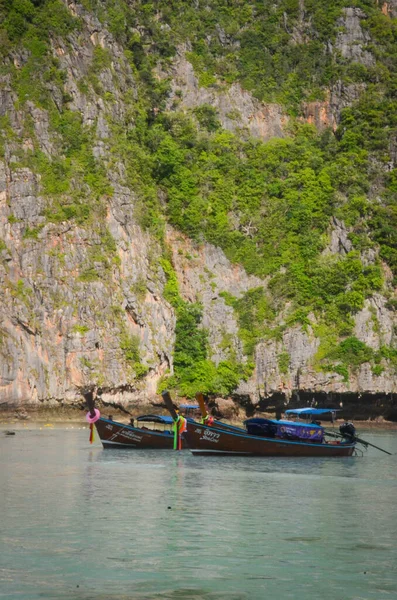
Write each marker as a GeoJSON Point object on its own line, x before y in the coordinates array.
{"type": "Point", "coordinates": [79, 522]}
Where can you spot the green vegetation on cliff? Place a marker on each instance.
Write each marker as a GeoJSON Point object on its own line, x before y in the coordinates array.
{"type": "Point", "coordinates": [268, 205]}
{"type": "Point", "coordinates": [193, 370]}
{"type": "Point", "coordinates": [281, 53]}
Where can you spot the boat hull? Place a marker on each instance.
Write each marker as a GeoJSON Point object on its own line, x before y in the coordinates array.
{"type": "Point", "coordinates": [116, 435]}
{"type": "Point", "coordinates": [119, 435]}
{"type": "Point", "coordinates": [209, 440]}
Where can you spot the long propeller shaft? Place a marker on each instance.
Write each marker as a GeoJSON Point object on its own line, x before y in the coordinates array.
{"type": "Point", "coordinates": [357, 439]}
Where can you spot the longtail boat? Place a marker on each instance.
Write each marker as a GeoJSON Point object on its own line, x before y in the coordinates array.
{"type": "Point", "coordinates": [152, 431]}
{"type": "Point", "coordinates": [272, 437]}
{"type": "Point", "coordinates": [149, 432]}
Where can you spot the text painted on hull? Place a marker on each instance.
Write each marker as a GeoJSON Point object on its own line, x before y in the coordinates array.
{"type": "Point", "coordinates": [209, 436]}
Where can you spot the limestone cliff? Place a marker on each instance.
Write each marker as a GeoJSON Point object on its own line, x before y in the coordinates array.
{"type": "Point", "coordinates": [82, 281]}
{"type": "Point", "coordinates": [59, 330]}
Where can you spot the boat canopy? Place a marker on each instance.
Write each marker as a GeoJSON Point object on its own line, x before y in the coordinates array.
{"type": "Point", "coordinates": [156, 419]}
{"type": "Point", "coordinates": [285, 429]}
{"type": "Point", "coordinates": [281, 422]}
{"type": "Point", "coordinates": [310, 411]}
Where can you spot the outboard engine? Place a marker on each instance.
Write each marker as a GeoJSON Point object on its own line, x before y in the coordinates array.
{"type": "Point", "coordinates": [347, 430]}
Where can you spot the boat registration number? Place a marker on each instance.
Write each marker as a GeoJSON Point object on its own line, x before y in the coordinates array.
{"type": "Point", "coordinates": [209, 436]}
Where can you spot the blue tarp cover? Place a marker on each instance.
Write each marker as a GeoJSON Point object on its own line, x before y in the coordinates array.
{"type": "Point", "coordinates": [291, 429]}
{"type": "Point", "coordinates": [303, 431]}
{"type": "Point", "coordinates": [310, 411]}
{"type": "Point", "coordinates": [260, 420]}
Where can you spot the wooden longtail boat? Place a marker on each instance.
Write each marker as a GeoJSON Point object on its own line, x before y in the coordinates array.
{"type": "Point", "coordinates": [268, 437]}
{"type": "Point", "coordinates": [151, 432]}
{"type": "Point", "coordinates": [156, 432]}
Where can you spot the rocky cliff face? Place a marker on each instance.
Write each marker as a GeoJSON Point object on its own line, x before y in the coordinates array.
{"type": "Point", "coordinates": [82, 300]}
{"type": "Point", "coordinates": [59, 330]}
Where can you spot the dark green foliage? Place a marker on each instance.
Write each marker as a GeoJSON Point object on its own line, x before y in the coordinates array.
{"type": "Point", "coordinates": [352, 352]}
{"type": "Point", "coordinates": [221, 188]}
{"type": "Point", "coordinates": [341, 370]}
{"type": "Point", "coordinates": [191, 342]}
{"type": "Point", "coordinates": [268, 206]}
{"type": "Point", "coordinates": [283, 360]}
{"type": "Point", "coordinates": [207, 117]}
{"type": "Point", "coordinates": [32, 233]}
{"type": "Point", "coordinates": [89, 275]}
{"type": "Point", "coordinates": [388, 353]}
{"type": "Point", "coordinates": [42, 18]}
{"type": "Point", "coordinates": [254, 312]}
{"type": "Point", "coordinates": [129, 344]}
{"type": "Point", "coordinates": [102, 59]}
{"type": "Point", "coordinates": [193, 370]}
{"type": "Point", "coordinates": [69, 126]}
{"type": "Point", "coordinates": [377, 370]}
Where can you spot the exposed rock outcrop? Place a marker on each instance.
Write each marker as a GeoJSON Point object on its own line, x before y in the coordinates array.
{"type": "Point", "coordinates": [237, 110]}
{"type": "Point", "coordinates": [352, 38]}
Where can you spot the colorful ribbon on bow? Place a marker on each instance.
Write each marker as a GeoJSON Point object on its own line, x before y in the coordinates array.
{"type": "Point", "coordinates": [92, 417]}
{"type": "Point", "coordinates": [180, 425]}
